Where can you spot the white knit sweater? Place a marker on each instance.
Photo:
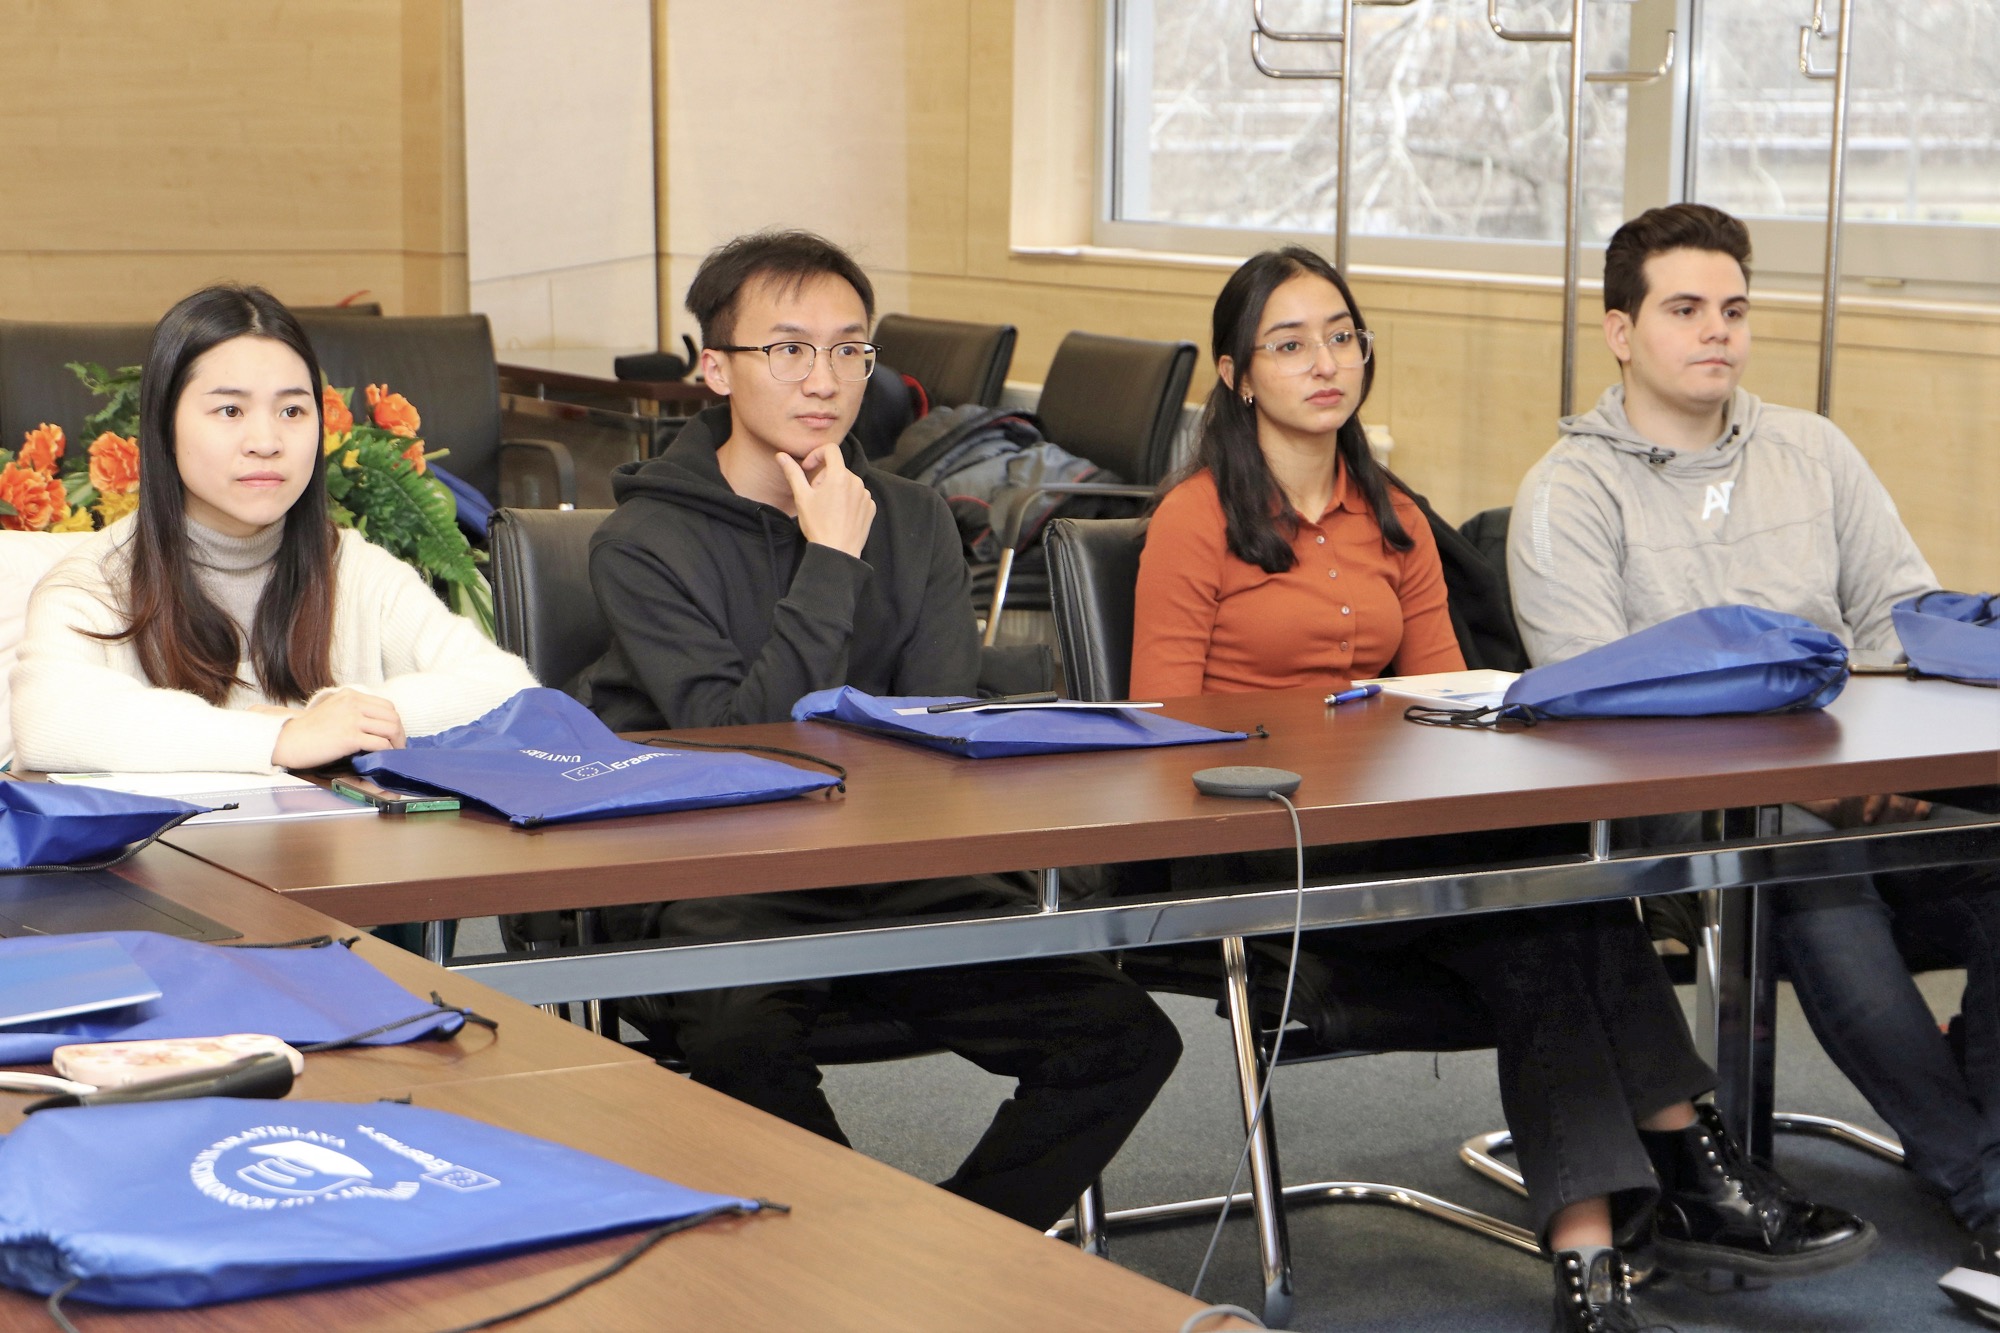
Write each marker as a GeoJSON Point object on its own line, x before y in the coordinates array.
{"type": "Point", "coordinates": [84, 704]}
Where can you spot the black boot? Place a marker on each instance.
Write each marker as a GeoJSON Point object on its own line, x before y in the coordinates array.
{"type": "Point", "coordinates": [1720, 1210]}
{"type": "Point", "coordinates": [1594, 1295]}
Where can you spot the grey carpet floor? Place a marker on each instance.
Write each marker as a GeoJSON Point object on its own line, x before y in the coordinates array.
{"type": "Point", "coordinates": [1400, 1118]}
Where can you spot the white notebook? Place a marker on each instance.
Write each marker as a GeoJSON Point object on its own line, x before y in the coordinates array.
{"type": "Point", "coordinates": [1450, 689]}
{"type": "Point", "coordinates": [256, 796]}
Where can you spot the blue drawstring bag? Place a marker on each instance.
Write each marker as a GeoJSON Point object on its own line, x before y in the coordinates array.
{"type": "Point", "coordinates": [996, 734]}
{"type": "Point", "coordinates": [543, 757]}
{"type": "Point", "coordinates": [1720, 659]}
{"type": "Point", "coordinates": [46, 825]}
{"type": "Point", "coordinates": [475, 511]}
{"type": "Point", "coordinates": [1952, 634]}
{"type": "Point", "coordinates": [174, 1204]}
{"type": "Point", "coordinates": [305, 996]}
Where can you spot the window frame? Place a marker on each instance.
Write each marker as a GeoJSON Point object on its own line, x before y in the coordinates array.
{"type": "Point", "coordinates": [1932, 261]}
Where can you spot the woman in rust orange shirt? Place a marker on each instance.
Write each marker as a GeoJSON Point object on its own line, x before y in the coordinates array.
{"type": "Point", "coordinates": [1287, 557]}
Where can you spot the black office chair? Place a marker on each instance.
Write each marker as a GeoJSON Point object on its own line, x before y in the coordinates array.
{"type": "Point", "coordinates": [956, 362]}
{"type": "Point", "coordinates": [1114, 401]}
{"type": "Point", "coordinates": [1348, 1011]}
{"type": "Point", "coordinates": [36, 384]}
{"type": "Point", "coordinates": [545, 611]}
{"type": "Point", "coordinates": [444, 364]}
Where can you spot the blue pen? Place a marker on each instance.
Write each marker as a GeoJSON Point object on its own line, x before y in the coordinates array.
{"type": "Point", "coordinates": [1355, 695]}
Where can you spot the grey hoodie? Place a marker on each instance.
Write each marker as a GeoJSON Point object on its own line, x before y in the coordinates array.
{"type": "Point", "coordinates": [1612, 533]}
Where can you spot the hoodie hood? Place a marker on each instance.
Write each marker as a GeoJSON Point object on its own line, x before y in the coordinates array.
{"type": "Point", "coordinates": [1607, 422]}
{"type": "Point", "coordinates": [688, 476]}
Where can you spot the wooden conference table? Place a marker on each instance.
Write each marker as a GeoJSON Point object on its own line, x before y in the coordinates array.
{"type": "Point", "coordinates": [865, 1246]}
{"type": "Point", "coordinates": [1368, 774]}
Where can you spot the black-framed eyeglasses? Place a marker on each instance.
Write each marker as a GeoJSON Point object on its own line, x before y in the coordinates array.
{"type": "Point", "coordinates": [792, 361]}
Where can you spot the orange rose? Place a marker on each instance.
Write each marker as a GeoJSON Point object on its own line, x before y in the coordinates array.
{"type": "Point", "coordinates": [414, 456]}
{"type": "Point", "coordinates": [42, 447]}
{"type": "Point", "coordinates": [39, 500]}
{"type": "Point", "coordinates": [336, 419]}
{"type": "Point", "coordinates": [114, 464]}
{"type": "Point", "coordinates": [393, 412]}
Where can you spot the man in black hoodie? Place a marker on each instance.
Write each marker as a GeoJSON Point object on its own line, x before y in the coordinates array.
{"type": "Point", "coordinates": [759, 559]}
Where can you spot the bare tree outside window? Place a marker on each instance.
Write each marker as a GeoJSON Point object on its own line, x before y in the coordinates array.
{"type": "Point", "coordinates": [1460, 135]}
{"type": "Point", "coordinates": [1457, 133]}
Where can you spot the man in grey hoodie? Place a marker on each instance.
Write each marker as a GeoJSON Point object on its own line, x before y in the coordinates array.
{"type": "Point", "coordinates": [1681, 490]}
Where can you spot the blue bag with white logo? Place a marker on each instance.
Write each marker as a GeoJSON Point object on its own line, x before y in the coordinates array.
{"type": "Point", "coordinates": [44, 825]}
{"type": "Point", "coordinates": [543, 757]}
{"type": "Point", "coordinates": [1720, 659]}
{"type": "Point", "coordinates": [305, 996]}
{"type": "Point", "coordinates": [1952, 634]}
{"type": "Point", "coordinates": [996, 733]}
{"type": "Point", "coordinates": [182, 1203]}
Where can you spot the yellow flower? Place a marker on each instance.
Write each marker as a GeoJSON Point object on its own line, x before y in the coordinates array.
{"type": "Point", "coordinates": [114, 505]}
{"type": "Point", "coordinates": [79, 520]}
{"type": "Point", "coordinates": [351, 459]}
{"type": "Point", "coordinates": [329, 442]}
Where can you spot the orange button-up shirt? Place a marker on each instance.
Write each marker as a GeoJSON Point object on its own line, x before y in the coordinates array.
{"type": "Point", "coordinates": [1351, 607]}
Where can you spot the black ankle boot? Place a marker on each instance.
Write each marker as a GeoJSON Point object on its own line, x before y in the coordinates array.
{"type": "Point", "coordinates": [1720, 1210]}
{"type": "Point", "coordinates": [1595, 1297]}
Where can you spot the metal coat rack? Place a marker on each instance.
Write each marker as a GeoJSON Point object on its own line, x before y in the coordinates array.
{"type": "Point", "coordinates": [1836, 178]}
{"type": "Point", "coordinates": [1578, 76]}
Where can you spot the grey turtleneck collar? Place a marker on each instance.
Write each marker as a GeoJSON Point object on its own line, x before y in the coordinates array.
{"type": "Point", "coordinates": [234, 570]}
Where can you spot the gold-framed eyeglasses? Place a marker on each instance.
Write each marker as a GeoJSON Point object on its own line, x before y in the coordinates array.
{"type": "Point", "coordinates": [1295, 356]}
{"type": "Point", "coordinates": [791, 361]}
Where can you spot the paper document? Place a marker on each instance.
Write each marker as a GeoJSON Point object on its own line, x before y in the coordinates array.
{"type": "Point", "coordinates": [1002, 706]}
{"type": "Point", "coordinates": [1450, 689]}
{"type": "Point", "coordinates": [256, 796]}
{"type": "Point", "coordinates": [76, 977]}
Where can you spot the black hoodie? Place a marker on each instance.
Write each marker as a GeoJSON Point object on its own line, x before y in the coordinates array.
{"type": "Point", "coordinates": [721, 612]}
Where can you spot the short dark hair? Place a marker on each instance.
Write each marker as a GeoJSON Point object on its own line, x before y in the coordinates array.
{"type": "Point", "coordinates": [789, 258]}
{"type": "Point", "coordinates": [1658, 230]}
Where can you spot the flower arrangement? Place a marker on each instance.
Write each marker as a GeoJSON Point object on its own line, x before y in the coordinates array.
{"type": "Point", "coordinates": [378, 481]}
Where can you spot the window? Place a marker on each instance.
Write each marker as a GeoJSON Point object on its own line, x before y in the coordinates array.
{"type": "Point", "coordinates": [1459, 137]}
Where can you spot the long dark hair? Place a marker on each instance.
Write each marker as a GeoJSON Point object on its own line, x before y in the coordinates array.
{"type": "Point", "coordinates": [184, 640]}
{"type": "Point", "coordinates": [1259, 520]}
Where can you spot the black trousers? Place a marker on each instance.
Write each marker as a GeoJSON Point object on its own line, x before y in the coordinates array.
{"type": "Point", "coordinates": [1088, 1048]}
{"type": "Point", "coordinates": [1589, 1033]}
{"type": "Point", "coordinates": [1591, 1039]}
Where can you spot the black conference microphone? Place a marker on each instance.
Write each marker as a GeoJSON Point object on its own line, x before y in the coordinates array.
{"type": "Point", "coordinates": [1246, 780]}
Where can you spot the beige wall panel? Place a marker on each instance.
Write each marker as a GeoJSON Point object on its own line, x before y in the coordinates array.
{"type": "Point", "coordinates": [140, 285]}
{"type": "Point", "coordinates": [154, 147]}
{"type": "Point", "coordinates": [789, 113]}
{"type": "Point", "coordinates": [936, 109]}
{"type": "Point", "coordinates": [244, 125]}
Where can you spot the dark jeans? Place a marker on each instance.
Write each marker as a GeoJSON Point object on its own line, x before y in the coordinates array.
{"type": "Point", "coordinates": [1088, 1047]}
{"type": "Point", "coordinates": [1844, 944]}
{"type": "Point", "coordinates": [1591, 1038]}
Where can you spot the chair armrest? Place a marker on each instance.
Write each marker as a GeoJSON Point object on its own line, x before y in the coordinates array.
{"type": "Point", "coordinates": [516, 454]}
{"type": "Point", "coordinates": [1010, 504]}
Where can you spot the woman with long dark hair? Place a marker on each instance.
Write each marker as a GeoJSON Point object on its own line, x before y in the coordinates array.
{"type": "Point", "coordinates": [227, 625]}
{"type": "Point", "coordinates": [1284, 557]}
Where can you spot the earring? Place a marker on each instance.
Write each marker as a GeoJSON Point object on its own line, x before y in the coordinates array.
{"type": "Point", "coordinates": [1249, 400]}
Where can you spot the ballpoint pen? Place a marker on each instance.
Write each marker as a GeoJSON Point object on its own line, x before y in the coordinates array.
{"type": "Point", "coordinates": [1355, 695]}
{"type": "Point", "coordinates": [1038, 697]}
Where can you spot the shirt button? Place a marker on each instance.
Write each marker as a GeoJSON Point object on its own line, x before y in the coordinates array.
{"type": "Point", "coordinates": [1320, 540]}
{"type": "Point", "coordinates": [1343, 643]}
{"type": "Point", "coordinates": [1333, 573]}
{"type": "Point", "coordinates": [1345, 611]}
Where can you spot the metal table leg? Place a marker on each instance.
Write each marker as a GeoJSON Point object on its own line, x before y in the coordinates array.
{"type": "Point", "coordinates": [1738, 1024]}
